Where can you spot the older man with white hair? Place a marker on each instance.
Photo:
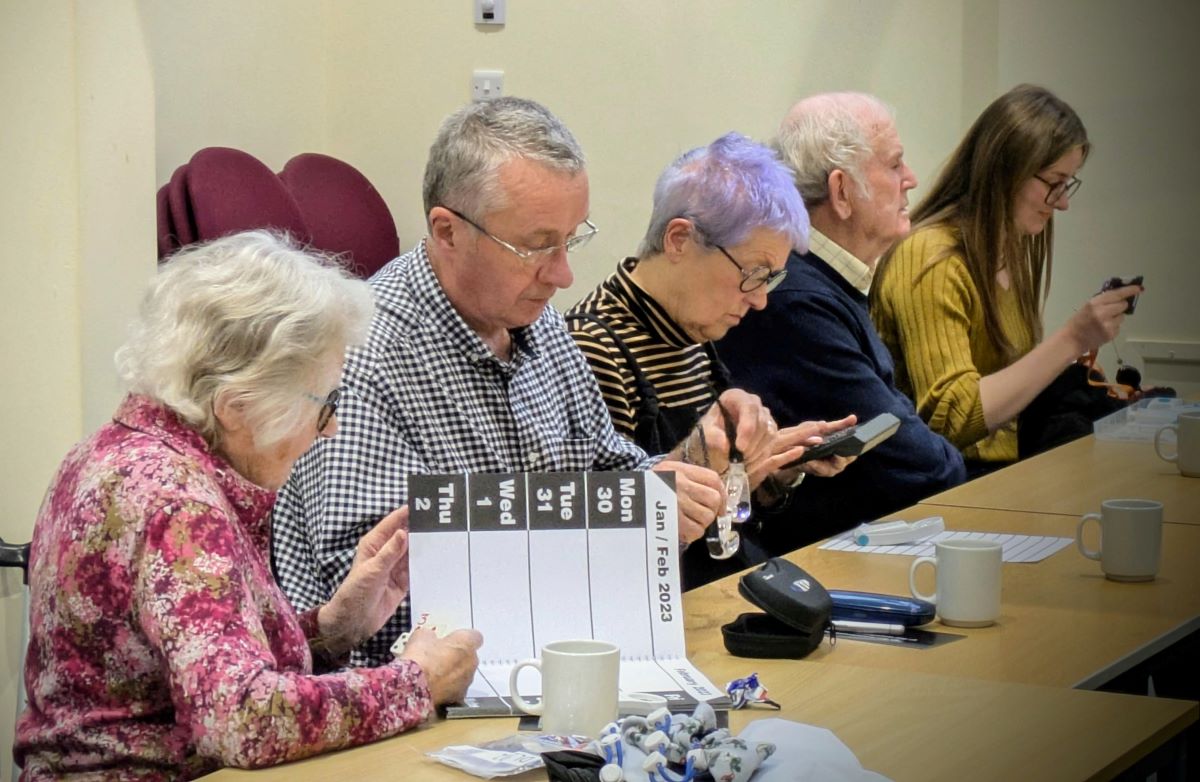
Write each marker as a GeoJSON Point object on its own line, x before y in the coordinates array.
{"type": "Point", "coordinates": [813, 352]}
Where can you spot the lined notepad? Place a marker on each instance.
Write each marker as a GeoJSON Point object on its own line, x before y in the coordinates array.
{"type": "Point", "coordinates": [531, 558]}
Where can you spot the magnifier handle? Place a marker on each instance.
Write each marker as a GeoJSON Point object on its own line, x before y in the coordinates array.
{"type": "Point", "coordinates": [722, 541]}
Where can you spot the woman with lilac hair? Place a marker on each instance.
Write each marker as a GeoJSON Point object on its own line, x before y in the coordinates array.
{"type": "Point", "coordinates": [724, 220]}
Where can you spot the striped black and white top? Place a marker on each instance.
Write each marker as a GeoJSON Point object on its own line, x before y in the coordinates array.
{"type": "Point", "coordinates": [684, 375]}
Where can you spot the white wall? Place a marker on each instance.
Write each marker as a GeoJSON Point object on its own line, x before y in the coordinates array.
{"type": "Point", "coordinates": [637, 82]}
{"type": "Point", "coordinates": [115, 143]}
{"type": "Point", "coordinates": [40, 409]}
{"type": "Point", "coordinates": [77, 216]}
{"type": "Point", "coordinates": [1130, 71]}
{"type": "Point", "coordinates": [232, 73]}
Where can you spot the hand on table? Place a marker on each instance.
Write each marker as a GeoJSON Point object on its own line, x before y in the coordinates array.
{"type": "Point", "coordinates": [449, 663]}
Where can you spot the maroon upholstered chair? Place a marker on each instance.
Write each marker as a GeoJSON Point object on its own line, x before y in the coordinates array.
{"type": "Point", "coordinates": [228, 191]}
{"type": "Point", "coordinates": [167, 241]}
{"type": "Point", "coordinates": [344, 212]}
{"type": "Point", "coordinates": [176, 226]}
{"type": "Point", "coordinates": [182, 221]}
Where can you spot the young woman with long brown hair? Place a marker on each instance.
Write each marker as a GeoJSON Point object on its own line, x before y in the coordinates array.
{"type": "Point", "coordinates": [959, 302]}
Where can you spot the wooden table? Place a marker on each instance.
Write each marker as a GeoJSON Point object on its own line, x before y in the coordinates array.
{"type": "Point", "coordinates": [1003, 702]}
{"type": "Point", "coordinates": [909, 727]}
{"type": "Point", "coordinates": [1062, 623]}
{"type": "Point", "coordinates": [997, 704]}
{"type": "Point", "coordinates": [1074, 478]}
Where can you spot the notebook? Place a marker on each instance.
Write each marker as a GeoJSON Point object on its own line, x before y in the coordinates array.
{"type": "Point", "coordinates": [529, 558]}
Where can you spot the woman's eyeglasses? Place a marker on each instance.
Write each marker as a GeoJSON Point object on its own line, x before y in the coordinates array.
{"type": "Point", "coordinates": [753, 279]}
{"type": "Point", "coordinates": [329, 406]}
{"type": "Point", "coordinates": [1058, 189]}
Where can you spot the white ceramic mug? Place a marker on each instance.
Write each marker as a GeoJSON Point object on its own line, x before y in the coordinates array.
{"type": "Point", "coordinates": [579, 687]}
{"type": "Point", "coordinates": [967, 589]}
{"type": "Point", "coordinates": [1187, 444]}
{"type": "Point", "coordinates": [1130, 539]}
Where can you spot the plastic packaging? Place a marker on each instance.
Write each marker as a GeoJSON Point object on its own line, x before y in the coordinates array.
{"type": "Point", "coordinates": [1140, 421]}
{"type": "Point", "coordinates": [505, 757]}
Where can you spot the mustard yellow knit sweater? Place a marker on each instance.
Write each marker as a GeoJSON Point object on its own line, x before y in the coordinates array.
{"type": "Point", "coordinates": [930, 315]}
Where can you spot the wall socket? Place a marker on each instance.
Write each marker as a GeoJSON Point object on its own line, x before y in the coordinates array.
{"type": "Point", "coordinates": [490, 12]}
{"type": "Point", "coordinates": [487, 84]}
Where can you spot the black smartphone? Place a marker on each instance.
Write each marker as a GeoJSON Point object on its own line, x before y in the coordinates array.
{"type": "Point", "coordinates": [853, 440]}
{"type": "Point", "coordinates": [1112, 283]}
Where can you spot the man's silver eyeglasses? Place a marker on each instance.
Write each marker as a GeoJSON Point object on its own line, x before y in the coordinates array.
{"type": "Point", "coordinates": [1068, 186]}
{"type": "Point", "coordinates": [753, 279]}
{"type": "Point", "coordinates": [329, 406]}
{"type": "Point", "coordinates": [587, 229]}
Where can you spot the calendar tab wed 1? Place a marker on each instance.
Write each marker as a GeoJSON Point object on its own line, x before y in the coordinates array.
{"type": "Point", "coordinates": [497, 502]}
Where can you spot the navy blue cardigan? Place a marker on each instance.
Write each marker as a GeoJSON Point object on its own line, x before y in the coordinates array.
{"type": "Point", "coordinates": [812, 354]}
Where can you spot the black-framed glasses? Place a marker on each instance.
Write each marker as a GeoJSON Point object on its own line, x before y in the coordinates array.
{"type": "Point", "coordinates": [1057, 189]}
{"type": "Point", "coordinates": [542, 253]}
{"type": "Point", "coordinates": [753, 279]}
{"type": "Point", "coordinates": [329, 406]}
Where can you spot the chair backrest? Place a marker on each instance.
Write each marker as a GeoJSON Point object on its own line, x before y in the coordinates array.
{"type": "Point", "coordinates": [228, 191]}
{"type": "Point", "coordinates": [168, 242]}
{"type": "Point", "coordinates": [344, 212]}
{"type": "Point", "coordinates": [17, 556]}
{"type": "Point", "coordinates": [176, 225]}
{"type": "Point", "coordinates": [319, 199]}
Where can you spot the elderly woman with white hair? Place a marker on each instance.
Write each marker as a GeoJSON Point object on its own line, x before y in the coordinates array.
{"type": "Point", "coordinates": [725, 217]}
{"type": "Point", "coordinates": [160, 645]}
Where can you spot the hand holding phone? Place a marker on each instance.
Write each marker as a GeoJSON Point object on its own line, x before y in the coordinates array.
{"type": "Point", "coordinates": [1113, 283]}
{"type": "Point", "coordinates": [853, 440]}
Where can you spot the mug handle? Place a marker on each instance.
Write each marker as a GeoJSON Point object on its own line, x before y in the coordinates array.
{"type": "Point", "coordinates": [912, 579]}
{"type": "Point", "coordinates": [1157, 443]}
{"type": "Point", "coordinates": [1087, 552]}
{"type": "Point", "coordinates": [522, 704]}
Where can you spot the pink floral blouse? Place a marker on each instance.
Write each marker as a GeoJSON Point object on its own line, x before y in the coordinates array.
{"type": "Point", "coordinates": [160, 645]}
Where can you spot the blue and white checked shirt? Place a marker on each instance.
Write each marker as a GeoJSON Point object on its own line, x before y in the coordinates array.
{"type": "Point", "coordinates": [426, 395]}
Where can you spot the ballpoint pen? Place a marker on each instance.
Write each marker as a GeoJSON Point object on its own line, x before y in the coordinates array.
{"type": "Point", "coordinates": [874, 628]}
{"type": "Point", "coordinates": [882, 638]}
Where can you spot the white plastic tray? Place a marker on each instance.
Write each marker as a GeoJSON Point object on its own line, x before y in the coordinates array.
{"type": "Point", "coordinates": [1142, 420]}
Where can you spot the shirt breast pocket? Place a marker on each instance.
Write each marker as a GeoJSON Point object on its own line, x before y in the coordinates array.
{"type": "Point", "coordinates": [566, 454]}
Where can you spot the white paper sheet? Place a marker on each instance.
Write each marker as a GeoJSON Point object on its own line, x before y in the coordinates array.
{"type": "Point", "coordinates": [1016, 548]}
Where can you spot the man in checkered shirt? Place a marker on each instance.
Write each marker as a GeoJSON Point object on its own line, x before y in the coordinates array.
{"type": "Point", "coordinates": [467, 368]}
